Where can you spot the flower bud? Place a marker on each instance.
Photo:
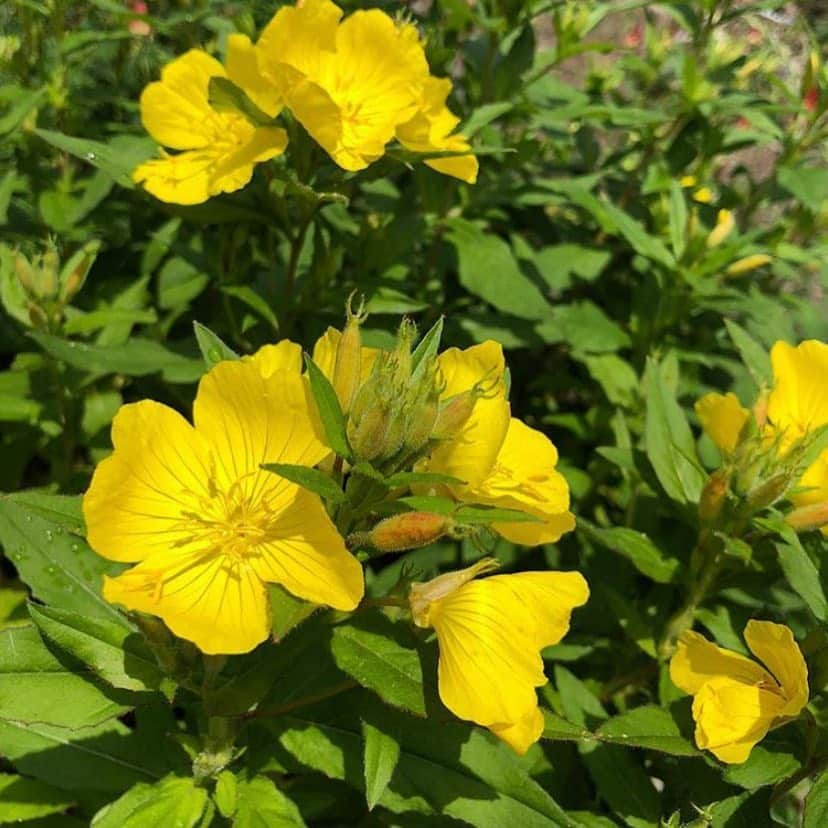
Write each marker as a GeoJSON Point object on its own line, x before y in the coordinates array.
{"type": "Point", "coordinates": [713, 497]}
{"type": "Point", "coordinates": [348, 362]}
{"type": "Point", "coordinates": [808, 518]}
{"type": "Point", "coordinates": [704, 195]}
{"type": "Point", "coordinates": [748, 263]}
{"type": "Point", "coordinates": [724, 227]}
{"type": "Point", "coordinates": [409, 530]}
{"type": "Point", "coordinates": [74, 272]}
{"type": "Point", "coordinates": [768, 492]}
{"type": "Point", "coordinates": [760, 409]}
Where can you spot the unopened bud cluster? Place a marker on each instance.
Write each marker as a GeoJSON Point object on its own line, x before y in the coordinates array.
{"type": "Point", "coordinates": [46, 288]}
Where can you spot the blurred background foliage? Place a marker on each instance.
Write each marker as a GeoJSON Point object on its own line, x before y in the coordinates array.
{"type": "Point", "coordinates": [618, 137]}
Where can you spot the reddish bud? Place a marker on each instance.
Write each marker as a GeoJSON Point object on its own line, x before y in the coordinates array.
{"type": "Point", "coordinates": [409, 530]}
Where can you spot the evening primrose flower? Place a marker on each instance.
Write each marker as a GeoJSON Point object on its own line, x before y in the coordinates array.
{"type": "Point", "coordinates": [736, 701]}
{"type": "Point", "coordinates": [207, 528]}
{"type": "Point", "coordinates": [349, 83]}
{"type": "Point", "coordinates": [500, 460]}
{"type": "Point", "coordinates": [490, 633]}
{"type": "Point", "coordinates": [220, 149]}
{"type": "Point", "coordinates": [356, 84]}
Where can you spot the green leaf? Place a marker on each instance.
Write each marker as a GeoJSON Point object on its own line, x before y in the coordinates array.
{"type": "Point", "coordinates": [802, 574]}
{"type": "Point", "coordinates": [639, 550]}
{"type": "Point", "coordinates": [38, 534]}
{"type": "Point", "coordinates": [225, 794]}
{"type": "Point", "coordinates": [112, 651]}
{"type": "Point", "coordinates": [118, 158]}
{"type": "Point", "coordinates": [330, 412]}
{"type": "Point", "coordinates": [754, 355]}
{"type": "Point", "coordinates": [22, 799]}
{"type": "Point", "coordinates": [311, 479]}
{"type": "Point", "coordinates": [489, 270]}
{"type": "Point", "coordinates": [260, 804]}
{"type": "Point", "coordinates": [585, 328]}
{"type": "Point", "coordinates": [486, 515]}
{"type": "Point", "coordinates": [106, 757]}
{"type": "Point", "coordinates": [288, 610]}
{"type": "Point", "coordinates": [808, 184]}
{"type": "Point", "coordinates": [212, 348]}
{"type": "Point", "coordinates": [36, 688]}
{"type": "Point", "coordinates": [173, 801]}
{"type": "Point", "coordinates": [225, 96]}
{"type": "Point", "coordinates": [669, 441]}
{"type": "Point", "coordinates": [556, 728]}
{"type": "Point", "coordinates": [816, 804]}
{"type": "Point", "coordinates": [255, 301]}
{"type": "Point", "coordinates": [135, 358]}
{"type": "Point", "coordinates": [401, 479]}
{"type": "Point", "coordinates": [426, 350]}
{"type": "Point", "coordinates": [769, 762]}
{"type": "Point", "coordinates": [382, 656]}
{"type": "Point", "coordinates": [649, 727]}
{"type": "Point", "coordinates": [448, 767]}
{"type": "Point", "coordinates": [382, 752]}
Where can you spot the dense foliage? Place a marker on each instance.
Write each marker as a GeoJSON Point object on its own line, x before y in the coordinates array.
{"type": "Point", "coordinates": [648, 224]}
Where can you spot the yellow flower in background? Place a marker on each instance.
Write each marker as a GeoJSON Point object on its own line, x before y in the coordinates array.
{"type": "Point", "coordinates": [501, 461]}
{"type": "Point", "coordinates": [722, 417]}
{"type": "Point", "coordinates": [725, 224]}
{"type": "Point", "coordinates": [220, 149]}
{"type": "Point", "coordinates": [207, 527]}
{"type": "Point", "coordinates": [349, 83]}
{"type": "Point", "coordinates": [490, 633]}
{"type": "Point", "coordinates": [736, 701]}
{"type": "Point", "coordinates": [430, 131]}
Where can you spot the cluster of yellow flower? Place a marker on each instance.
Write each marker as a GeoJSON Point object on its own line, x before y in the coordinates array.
{"type": "Point", "coordinates": [354, 85]}
{"type": "Point", "coordinates": [209, 528]}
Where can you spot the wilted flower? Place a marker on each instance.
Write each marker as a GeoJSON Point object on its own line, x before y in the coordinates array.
{"type": "Point", "coordinates": [736, 700]}
{"type": "Point", "coordinates": [208, 527]}
{"type": "Point", "coordinates": [490, 633]}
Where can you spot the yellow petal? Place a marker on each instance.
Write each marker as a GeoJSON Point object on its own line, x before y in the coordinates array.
{"type": "Point", "coordinates": [489, 662]}
{"type": "Point", "coordinates": [814, 484]}
{"type": "Point", "coordinates": [471, 454]}
{"type": "Point", "coordinates": [174, 110]}
{"type": "Point", "coordinates": [523, 477]}
{"type": "Point", "coordinates": [160, 469]}
{"type": "Point", "coordinates": [243, 70]}
{"type": "Point", "coordinates": [697, 661]}
{"type": "Point", "coordinates": [298, 37]}
{"type": "Point", "coordinates": [549, 599]}
{"type": "Point", "coordinates": [799, 400]}
{"type": "Point", "coordinates": [249, 419]}
{"type": "Point", "coordinates": [490, 633]}
{"type": "Point", "coordinates": [722, 417]}
{"type": "Point", "coordinates": [283, 356]}
{"type": "Point", "coordinates": [219, 604]}
{"type": "Point", "coordinates": [233, 170]}
{"type": "Point", "coordinates": [521, 735]}
{"type": "Point", "coordinates": [430, 130]}
{"type": "Point", "coordinates": [774, 645]}
{"type": "Point", "coordinates": [178, 179]}
{"type": "Point", "coordinates": [731, 717]}
{"type": "Point", "coordinates": [308, 557]}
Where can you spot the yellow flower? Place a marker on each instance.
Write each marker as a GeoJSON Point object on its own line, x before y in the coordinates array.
{"type": "Point", "coordinates": [220, 148]}
{"type": "Point", "coordinates": [501, 461]}
{"type": "Point", "coordinates": [704, 195]}
{"type": "Point", "coordinates": [430, 131]}
{"type": "Point", "coordinates": [349, 83]}
{"type": "Point", "coordinates": [748, 263]}
{"type": "Point", "coordinates": [736, 700]}
{"type": "Point", "coordinates": [722, 417]}
{"type": "Point", "coordinates": [724, 227]}
{"type": "Point", "coordinates": [490, 633]}
{"type": "Point", "coordinates": [207, 527]}
{"type": "Point", "coordinates": [798, 405]}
